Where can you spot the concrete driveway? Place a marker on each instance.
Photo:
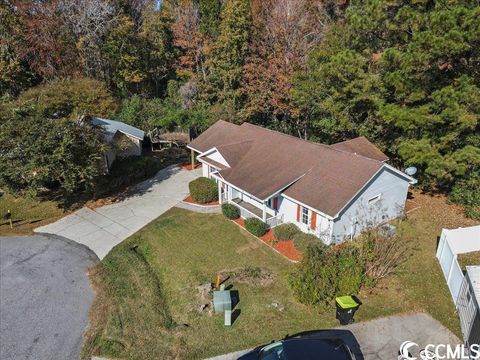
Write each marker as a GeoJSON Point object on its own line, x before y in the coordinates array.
{"type": "Point", "coordinates": [44, 298]}
{"type": "Point", "coordinates": [378, 339]}
{"type": "Point", "coordinates": [102, 228]}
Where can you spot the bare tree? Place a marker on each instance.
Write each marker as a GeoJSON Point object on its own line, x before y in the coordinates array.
{"type": "Point", "coordinates": [89, 21]}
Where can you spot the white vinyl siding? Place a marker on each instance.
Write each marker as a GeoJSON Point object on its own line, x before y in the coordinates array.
{"type": "Point", "coordinates": [383, 199]}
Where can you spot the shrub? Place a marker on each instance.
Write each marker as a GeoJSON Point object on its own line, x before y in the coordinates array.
{"type": "Point", "coordinates": [326, 272]}
{"type": "Point", "coordinates": [286, 231]}
{"type": "Point", "coordinates": [303, 240]}
{"type": "Point", "coordinates": [256, 227]}
{"type": "Point", "coordinates": [314, 280]}
{"type": "Point", "coordinates": [381, 255]}
{"type": "Point", "coordinates": [230, 211]}
{"type": "Point", "coordinates": [203, 190]}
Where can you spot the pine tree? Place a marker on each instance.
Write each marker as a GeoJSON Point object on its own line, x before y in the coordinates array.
{"type": "Point", "coordinates": [229, 53]}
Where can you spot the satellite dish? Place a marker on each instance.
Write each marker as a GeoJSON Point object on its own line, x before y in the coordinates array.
{"type": "Point", "coordinates": [412, 170]}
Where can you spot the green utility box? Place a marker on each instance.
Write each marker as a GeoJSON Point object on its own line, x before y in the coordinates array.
{"type": "Point", "coordinates": [222, 301]}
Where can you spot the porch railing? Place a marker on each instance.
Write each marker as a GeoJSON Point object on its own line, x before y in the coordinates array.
{"type": "Point", "coordinates": [244, 213]}
{"type": "Point", "coordinates": [275, 221]}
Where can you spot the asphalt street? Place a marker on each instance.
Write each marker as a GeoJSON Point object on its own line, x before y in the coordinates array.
{"type": "Point", "coordinates": [44, 297]}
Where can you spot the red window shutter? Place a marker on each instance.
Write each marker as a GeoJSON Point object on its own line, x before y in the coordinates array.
{"type": "Point", "coordinates": [313, 223]}
{"type": "Point", "coordinates": [299, 208]}
{"type": "Point", "coordinates": [275, 203]}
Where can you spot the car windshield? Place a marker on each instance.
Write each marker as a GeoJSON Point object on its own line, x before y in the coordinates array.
{"type": "Point", "coordinates": [305, 349]}
{"type": "Point", "coordinates": [273, 352]}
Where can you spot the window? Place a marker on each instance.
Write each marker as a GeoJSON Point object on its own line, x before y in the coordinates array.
{"type": "Point", "coordinates": [374, 199]}
{"type": "Point", "coordinates": [269, 202]}
{"type": "Point", "coordinates": [304, 215]}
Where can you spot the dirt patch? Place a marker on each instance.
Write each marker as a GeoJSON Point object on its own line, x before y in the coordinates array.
{"type": "Point", "coordinates": [439, 208]}
{"type": "Point", "coordinates": [205, 298]}
{"type": "Point", "coordinates": [250, 275]}
{"type": "Point", "coordinates": [188, 166]}
{"type": "Point", "coordinates": [189, 199]}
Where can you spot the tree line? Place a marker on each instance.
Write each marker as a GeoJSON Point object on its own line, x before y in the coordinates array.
{"type": "Point", "coordinates": [405, 74]}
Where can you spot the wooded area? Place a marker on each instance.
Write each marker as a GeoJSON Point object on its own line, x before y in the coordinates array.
{"type": "Point", "coordinates": [405, 74]}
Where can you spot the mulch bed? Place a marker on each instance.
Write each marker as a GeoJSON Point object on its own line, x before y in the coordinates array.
{"type": "Point", "coordinates": [285, 247]}
{"type": "Point", "coordinates": [188, 166]}
{"type": "Point", "coordinates": [189, 199]}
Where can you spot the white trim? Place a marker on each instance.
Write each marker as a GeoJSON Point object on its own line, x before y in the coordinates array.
{"type": "Point", "coordinates": [238, 188]}
{"type": "Point", "coordinates": [203, 161]}
{"type": "Point", "coordinates": [209, 151]}
{"type": "Point", "coordinates": [309, 207]}
{"type": "Point", "coordinates": [130, 135]}
{"type": "Point", "coordinates": [368, 183]}
{"type": "Point", "coordinates": [191, 148]}
{"type": "Point", "coordinates": [410, 179]}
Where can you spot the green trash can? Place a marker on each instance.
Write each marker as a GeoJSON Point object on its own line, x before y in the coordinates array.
{"type": "Point", "coordinates": [346, 308]}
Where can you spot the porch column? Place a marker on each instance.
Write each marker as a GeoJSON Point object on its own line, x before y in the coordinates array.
{"type": "Point", "coordinates": [192, 154]}
{"type": "Point", "coordinates": [219, 192]}
{"type": "Point", "coordinates": [264, 213]}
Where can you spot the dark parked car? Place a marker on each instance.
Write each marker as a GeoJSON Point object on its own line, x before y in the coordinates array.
{"type": "Point", "coordinates": [306, 349]}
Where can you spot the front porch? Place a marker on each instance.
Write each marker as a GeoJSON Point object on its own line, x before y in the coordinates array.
{"type": "Point", "coordinates": [248, 210]}
{"type": "Point", "coordinates": [243, 205]}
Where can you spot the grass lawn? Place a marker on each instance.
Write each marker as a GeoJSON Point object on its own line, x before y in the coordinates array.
{"type": "Point", "coordinates": [469, 259]}
{"type": "Point", "coordinates": [147, 298]}
{"type": "Point", "coordinates": [27, 214]}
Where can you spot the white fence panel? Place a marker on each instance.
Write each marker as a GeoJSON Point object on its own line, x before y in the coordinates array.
{"type": "Point", "coordinates": [456, 280]}
{"type": "Point", "coordinates": [446, 259]}
{"type": "Point", "coordinates": [450, 268]}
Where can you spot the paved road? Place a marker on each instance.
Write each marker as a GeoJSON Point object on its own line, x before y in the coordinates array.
{"type": "Point", "coordinates": [44, 297]}
{"type": "Point", "coordinates": [103, 228]}
{"type": "Point", "coordinates": [380, 339]}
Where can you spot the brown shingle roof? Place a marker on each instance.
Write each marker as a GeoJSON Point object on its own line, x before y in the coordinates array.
{"type": "Point", "coordinates": [361, 146]}
{"type": "Point", "coordinates": [220, 133]}
{"type": "Point", "coordinates": [264, 162]}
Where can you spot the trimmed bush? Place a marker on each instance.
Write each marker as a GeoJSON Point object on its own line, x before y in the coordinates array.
{"type": "Point", "coordinates": [303, 240]}
{"type": "Point", "coordinates": [203, 190]}
{"type": "Point", "coordinates": [230, 211]}
{"type": "Point", "coordinates": [256, 227]}
{"type": "Point", "coordinates": [286, 231]}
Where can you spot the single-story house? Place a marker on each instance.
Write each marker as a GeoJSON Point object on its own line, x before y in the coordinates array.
{"type": "Point", "coordinates": [331, 191]}
{"type": "Point", "coordinates": [123, 140]}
